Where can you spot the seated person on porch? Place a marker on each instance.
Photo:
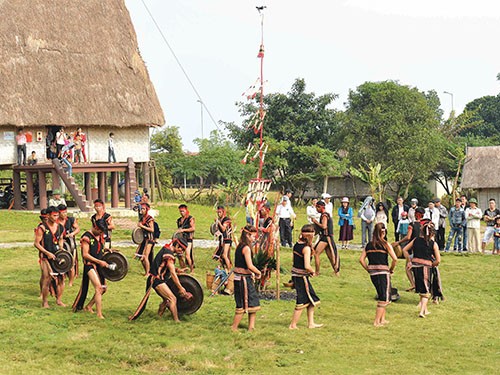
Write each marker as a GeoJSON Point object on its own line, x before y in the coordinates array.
{"type": "Point", "coordinates": [56, 199]}
{"type": "Point", "coordinates": [32, 160]}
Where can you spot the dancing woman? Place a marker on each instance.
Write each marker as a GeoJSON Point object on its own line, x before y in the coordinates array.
{"type": "Point", "coordinates": [378, 251]}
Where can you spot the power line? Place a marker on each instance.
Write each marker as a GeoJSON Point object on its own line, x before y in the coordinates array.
{"type": "Point", "coordinates": [180, 66]}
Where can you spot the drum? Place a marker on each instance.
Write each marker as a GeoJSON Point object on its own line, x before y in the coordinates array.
{"type": "Point", "coordinates": [118, 266]}
{"type": "Point", "coordinates": [137, 235]}
{"type": "Point", "coordinates": [63, 262]}
{"type": "Point", "coordinates": [187, 306]}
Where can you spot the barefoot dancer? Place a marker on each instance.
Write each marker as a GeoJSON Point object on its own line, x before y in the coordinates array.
{"type": "Point", "coordinates": [187, 227]}
{"type": "Point", "coordinates": [101, 213]}
{"type": "Point", "coordinates": [162, 269]}
{"type": "Point", "coordinates": [301, 271]}
{"type": "Point", "coordinates": [41, 226]}
{"type": "Point", "coordinates": [325, 228]}
{"type": "Point", "coordinates": [71, 229]}
{"type": "Point", "coordinates": [92, 244]}
{"type": "Point", "coordinates": [48, 240]}
{"type": "Point", "coordinates": [377, 251]}
{"type": "Point", "coordinates": [145, 248]}
{"type": "Point", "coordinates": [245, 295]}
{"type": "Point", "coordinates": [425, 256]}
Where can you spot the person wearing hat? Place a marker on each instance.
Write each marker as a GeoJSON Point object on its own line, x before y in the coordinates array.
{"type": "Point", "coordinates": [48, 240]}
{"type": "Point", "coordinates": [328, 203]}
{"type": "Point", "coordinates": [411, 210]}
{"type": "Point", "coordinates": [456, 218]}
{"type": "Point", "coordinates": [443, 214]}
{"type": "Point", "coordinates": [346, 223]}
{"type": "Point", "coordinates": [163, 269]}
{"type": "Point", "coordinates": [367, 215]}
{"type": "Point", "coordinates": [56, 199]}
{"type": "Point", "coordinates": [473, 215]}
{"type": "Point", "coordinates": [432, 213]}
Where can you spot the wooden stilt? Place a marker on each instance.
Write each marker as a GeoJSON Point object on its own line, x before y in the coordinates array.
{"type": "Point", "coordinates": [42, 188]}
{"type": "Point", "coordinates": [30, 204]}
{"type": "Point", "coordinates": [114, 189]}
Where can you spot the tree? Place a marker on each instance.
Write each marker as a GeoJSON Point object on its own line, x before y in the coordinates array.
{"type": "Point", "coordinates": [299, 127]}
{"type": "Point", "coordinates": [395, 126]}
{"type": "Point", "coordinates": [484, 118]}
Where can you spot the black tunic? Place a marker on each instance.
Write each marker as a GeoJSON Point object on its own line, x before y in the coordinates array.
{"type": "Point", "coordinates": [300, 277]}
{"type": "Point", "coordinates": [185, 223]}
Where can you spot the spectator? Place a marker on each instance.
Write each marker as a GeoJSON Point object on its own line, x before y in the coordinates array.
{"type": "Point", "coordinates": [328, 204]}
{"type": "Point", "coordinates": [464, 205]}
{"type": "Point", "coordinates": [77, 140]}
{"type": "Point", "coordinates": [456, 218]}
{"type": "Point", "coordinates": [111, 148]}
{"type": "Point", "coordinates": [60, 141]}
{"type": "Point", "coordinates": [56, 199]}
{"type": "Point", "coordinates": [473, 216]}
{"type": "Point", "coordinates": [496, 236]}
{"type": "Point", "coordinates": [83, 138]}
{"type": "Point", "coordinates": [432, 213]}
{"type": "Point", "coordinates": [311, 211]}
{"type": "Point", "coordinates": [489, 217]}
{"type": "Point", "coordinates": [285, 214]}
{"type": "Point", "coordinates": [21, 147]}
{"type": "Point", "coordinates": [411, 210]}
{"type": "Point", "coordinates": [396, 212]}
{"type": "Point", "coordinates": [65, 157]}
{"type": "Point", "coordinates": [443, 214]}
{"type": "Point", "coordinates": [381, 214]}
{"type": "Point", "coordinates": [367, 215]}
{"type": "Point", "coordinates": [346, 223]}
{"type": "Point", "coordinates": [32, 160]}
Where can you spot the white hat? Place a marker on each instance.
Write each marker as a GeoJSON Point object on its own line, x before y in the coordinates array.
{"type": "Point", "coordinates": [345, 199]}
{"type": "Point", "coordinates": [325, 195]}
{"type": "Point", "coordinates": [285, 199]}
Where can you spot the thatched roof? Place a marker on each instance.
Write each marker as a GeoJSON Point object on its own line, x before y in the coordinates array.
{"type": "Point", "coordinates": [481, 168]}
{"type": "Point", "coordinates": [72, 62]}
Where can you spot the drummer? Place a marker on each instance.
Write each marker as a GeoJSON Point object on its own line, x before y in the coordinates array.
{"type": "Point", "coordinates": [224, 226]}
{"type": "Point", "coordinates": [162, 269]}
{"type": "Point", "coordinates": [71, 229]}
{"type": "Point", "coordinates": [48, 240]}
{"type": "Point", "coordinates": [145, 249]}
{"type": "Point", "coordinates": [92, 244]}
{"type": "Point", "coordinates": [100, 213]}
{"type": "Point", "coordinates": [186, 227]}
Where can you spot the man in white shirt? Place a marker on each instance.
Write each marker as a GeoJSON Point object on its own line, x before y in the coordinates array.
{"type": "Point", "coordinates": [432, 213]}
{"type": "Point", "coordinates": [473, 215]}
{"type": "Point", "coordinates": [328, 204]}
{"type": "Point", "coordinates": [286, 215]}
{"type": "Point", "coordinates": [311, 211]}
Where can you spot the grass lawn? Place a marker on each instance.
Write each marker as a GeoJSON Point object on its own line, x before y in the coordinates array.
{"type": "Point", "coordinates": [460, 336]}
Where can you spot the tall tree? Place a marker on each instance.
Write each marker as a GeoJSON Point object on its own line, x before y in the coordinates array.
{"type": "Point", "coordinates": [395, 126]}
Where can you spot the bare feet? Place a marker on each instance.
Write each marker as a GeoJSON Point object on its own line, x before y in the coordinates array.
{"type": "Point", "coordinates": [161, 309]}
{"type": "Point", "coordinates": [385, 322]}
{"type": "Point", "coordinates": [100, 316]}
{"type": "Point", "coordinates": [60, 303]}
{"type": "Point", "coordinates": [88, 309]}
{"type": "Point", "coordinates": [378, 325]}
{"type": "Point", "coordinates": [410, 289]}
{"type": "Point", "coordinates": [234, 329]}
{"type": "Point", "coordinates": [314, 325]}
{"type": "Point", "coordinates": [421, 315]}
{"type": "Point", "coordinates": [45, 305]}
{"type": "Point", "coordinates": [292, 327]}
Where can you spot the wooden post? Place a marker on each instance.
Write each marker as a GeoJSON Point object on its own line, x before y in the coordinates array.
{"type": "Point", "coordinates": [146, 179]}
{"type": "Point", "coordinates": [152, 177]}
{"type": "Point", "coordinates": [16, 179]}
{"type": "Point", "coordinates": [56, 182]}
{"type": "Point", "coordinates": [30, 204]}
{"type": "Point", "coordinates": [114, 190]}
{"type": "Point", "coordinates": [278, 277]}
{"type": "Point", "coordinates": [101, 177]}
{"type": "Point", "coordinates": [128, 195]}
{"type": "Point", "coordinates": [42, 188]}
{"type": "Point", "coordinates": [87, 186]}
{"type": "Point", "coordinates": [105, 187]}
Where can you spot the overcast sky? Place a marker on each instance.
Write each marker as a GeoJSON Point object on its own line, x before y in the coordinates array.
{"type": "Point", "coordinates": [335, 45]}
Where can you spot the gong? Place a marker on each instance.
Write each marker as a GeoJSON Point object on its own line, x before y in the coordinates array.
{"type": "Point", "coordinates": [63, 262]}
{"type": "Point", "coordinates": [193, 304]}
{"type": "Point", "coordinates": [70, 246]}
{"type": "Point", "coordinates": [214, 228]}
{"type": "Point", "coordinates": [137, 235]}
{"type": "Point", "coordinates": [118, 266]}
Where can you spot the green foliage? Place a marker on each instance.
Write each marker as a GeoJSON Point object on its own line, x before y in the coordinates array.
{"type": "Point", "coordinates": [420, 192]}
{"type": "Point", "coordinates": [484, 119]}
{"type": "Point", "coordinates": [299, 129]}
{"type": "Point", "coordinates": [394, 125]}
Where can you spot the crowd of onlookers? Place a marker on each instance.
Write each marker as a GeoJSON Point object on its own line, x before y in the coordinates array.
{"type": "Point", "coordinates": [457, 229]}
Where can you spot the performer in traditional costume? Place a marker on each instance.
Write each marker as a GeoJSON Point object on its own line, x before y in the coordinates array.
{"type": "Point", "coordinates": [301, 271]}
{"type": "Point", "coordinates": [162, 269]}
{"type": "Point", "coordinates": [41, 226]}
{"type": "Point", "coordinates": [71, 229]}
{"type": "Point", "coordinates": [225, 230]}
{"type": "Point", "coordinates": [266, 231]}
{"type": "Point", "coordinates": [187, 227]}
{"type": "Point", "coordinates": [49, 238]}
{"type": "Point", "coordinates": [324, 226]}
{"type": "Point", "coordinates": [145, 249]}
{"type": "Point", "coordinates": [101, 213]}
{"type": "Point", "coordinates": [245, 295]}
{"type": "Point", "coordinates": [378, 251]}
{"type": "Point", "coordinates": [425, 256]}
{"type": "Point", "coordinates": [92, 244]}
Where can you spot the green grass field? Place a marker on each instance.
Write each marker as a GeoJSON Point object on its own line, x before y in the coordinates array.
{"type": "Point", "coordinates": [460, 336]}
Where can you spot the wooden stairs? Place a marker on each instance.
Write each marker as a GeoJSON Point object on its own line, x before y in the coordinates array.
{"type": "Point", "coordinates": [80, 199]}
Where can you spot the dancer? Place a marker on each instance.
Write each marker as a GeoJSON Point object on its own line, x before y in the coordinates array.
{"type": "Point", "coordinates": [187, 227]}
{"type": "Point", "coordinates": [92, 244]}
{"type": "Point", "coordinates": [41, 226]}
{"type": "Point", "coordinates": [101, 213]}
{"type": "Point", "coordinates": [378, 251]}
{"type": "Point", "coordinates": [71, 229]}
{"type": "Point", "coordinates": [49, 238]}
{"type": "Point", "coordinates": [425, 256]}
{"type": "Point", "coordinates": [162, 269]}
{"type": "Point", "coordinates": [145, 249]}
{"type": "Point", "coordinates": [245, 295]}
{"type": "Point", "coordinates": [325, 229]}
{"type": "Point", "coordinates": [301, 271]}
